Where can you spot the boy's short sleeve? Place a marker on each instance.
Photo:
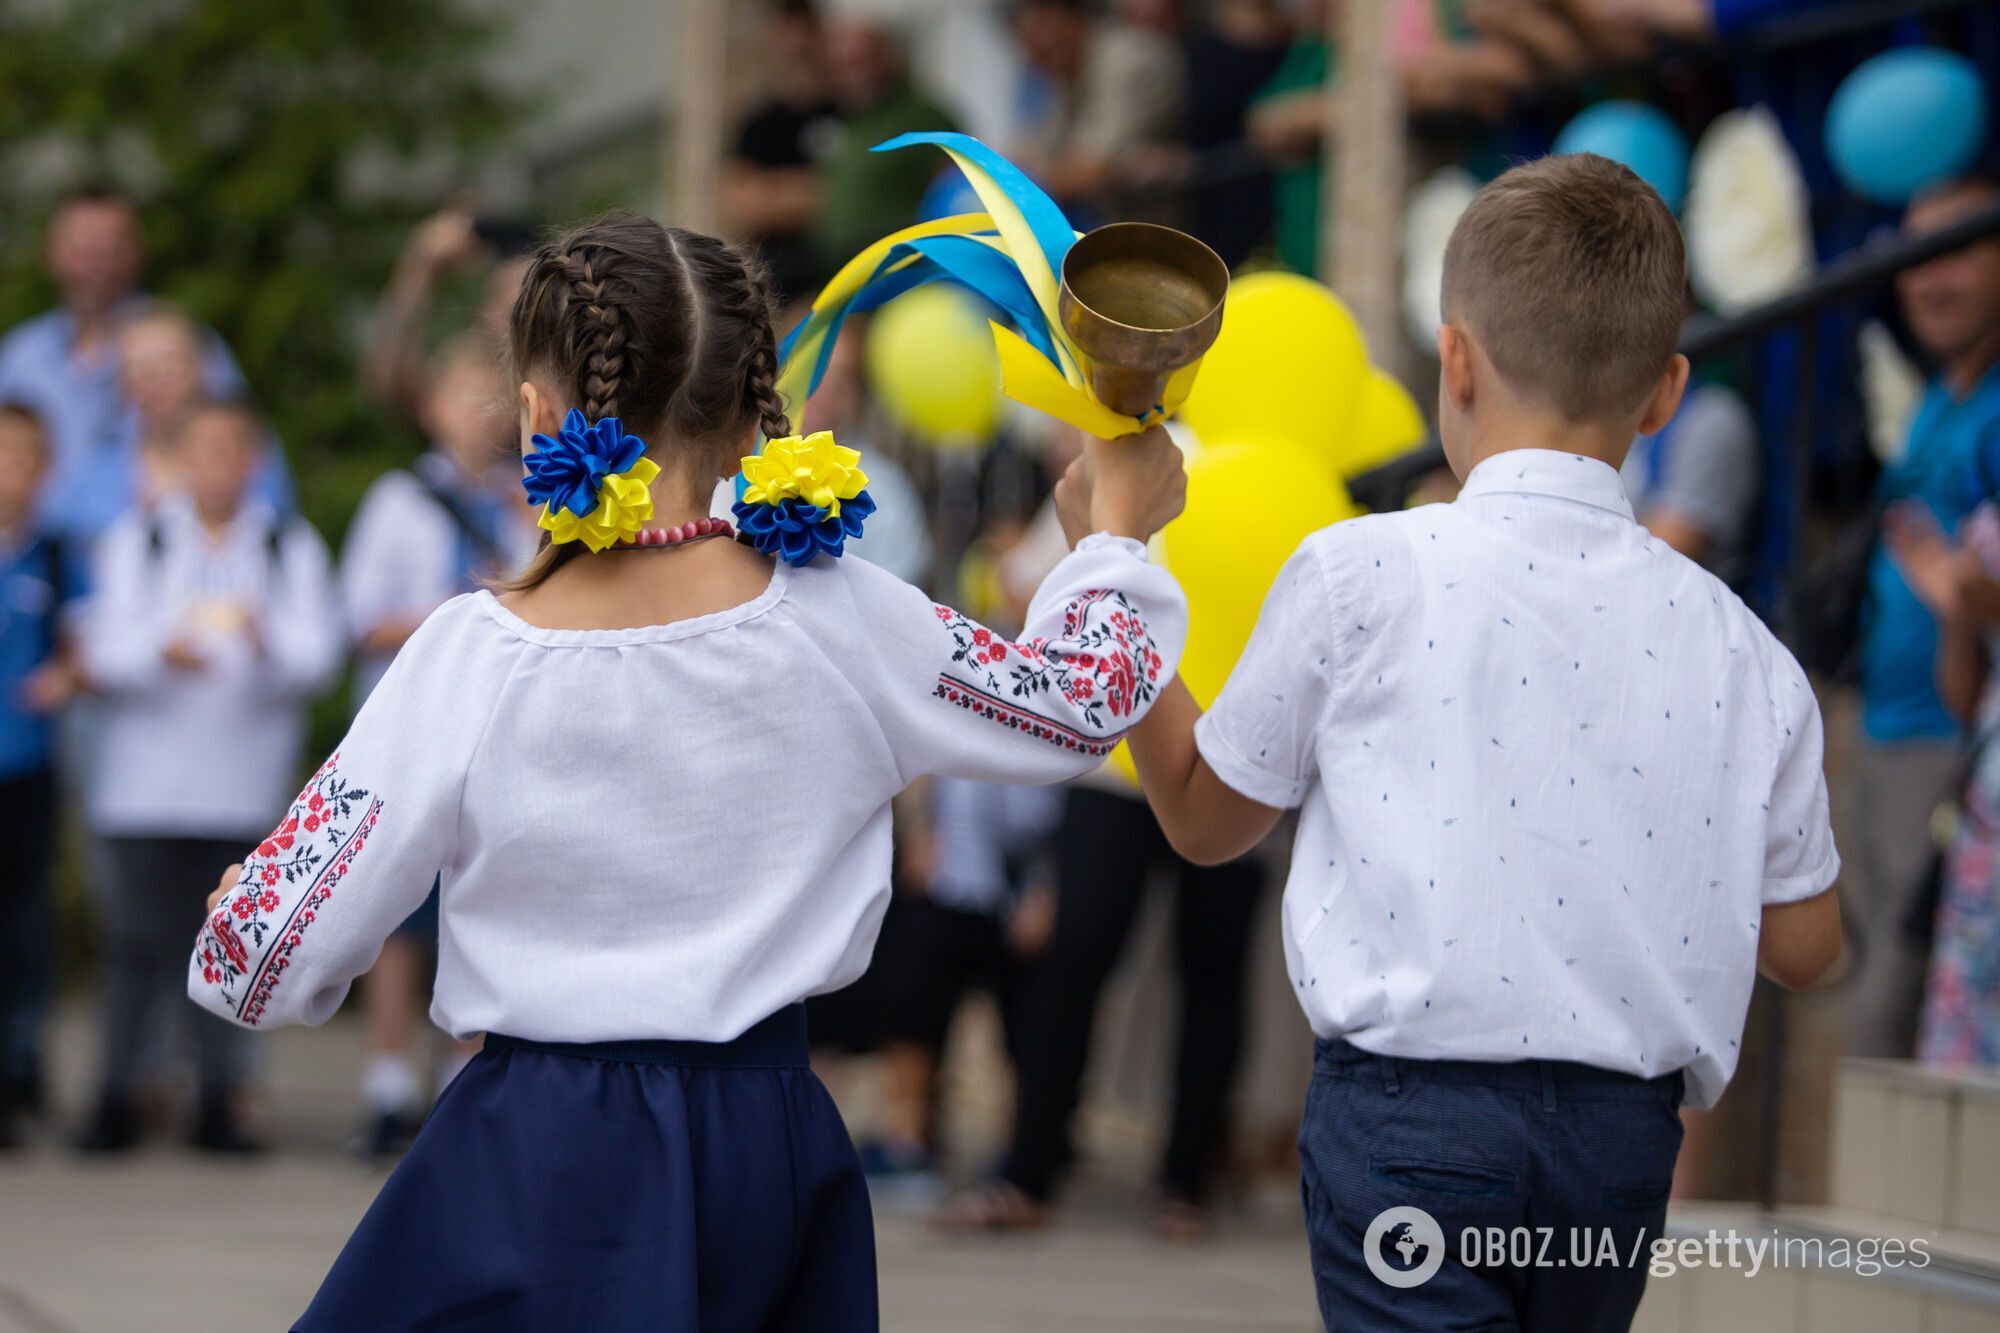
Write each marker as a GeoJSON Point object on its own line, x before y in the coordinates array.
{"type": "Point", "coordinates": [1261, 734]}
{"type": "Point", "coordinates": [1800, 860]}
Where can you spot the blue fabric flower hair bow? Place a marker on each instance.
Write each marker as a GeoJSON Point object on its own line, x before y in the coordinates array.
{"type": "Point", "coordinates": [796, 531]}
{"type": "Point", "coordinates": [802, 496]}
{"type": "Point", "coordinates": [568, 471]}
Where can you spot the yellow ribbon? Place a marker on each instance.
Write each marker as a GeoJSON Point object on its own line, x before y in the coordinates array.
{"type": "Point", "coordinates": [624, 504]}
{"type": "Point", "coordinates": [813, 469]}
{"type": "Point", "coordinates": [1027, 377]}
{"type": "Point", "coordinates": [855, 274]}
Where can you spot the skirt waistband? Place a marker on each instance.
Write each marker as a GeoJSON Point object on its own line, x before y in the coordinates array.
{"type": "Point", "coordinates": [779, 1042]}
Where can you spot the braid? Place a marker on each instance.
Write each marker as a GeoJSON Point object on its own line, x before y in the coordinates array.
{"type": "Point", "coordinates": [760, 380]}
{"type": "Point", "coordinates": [664, 328]}
{"type": "Point", "coordinates": [601, 338]}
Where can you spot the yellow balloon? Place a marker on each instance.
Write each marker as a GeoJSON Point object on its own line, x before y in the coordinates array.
{"type": "Point", "coordinates": [1248, 508]}
{"type": "Point", "coordinates": [932, 366]}
{"type": "Point", "coordinates": [1387, 423]}
{"type": "Point", "coordinates": [1287, 367]}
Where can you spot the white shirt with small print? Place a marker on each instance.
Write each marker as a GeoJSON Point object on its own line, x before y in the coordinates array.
{"type": "Point", "coordinates": [1549, 774]}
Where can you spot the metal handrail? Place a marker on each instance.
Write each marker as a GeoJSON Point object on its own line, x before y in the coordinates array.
{"type": "Point", "coordinates": [1866, 266]}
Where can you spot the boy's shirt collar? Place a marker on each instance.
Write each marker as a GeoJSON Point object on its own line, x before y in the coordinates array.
{"type": "Point", "coordinates": [1552, 473]}
{"type": "Point", "coordinates": [253, 517]}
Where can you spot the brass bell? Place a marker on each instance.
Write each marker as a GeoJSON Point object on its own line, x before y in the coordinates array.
{"type": "Point", "coordinates": [1140, 301]}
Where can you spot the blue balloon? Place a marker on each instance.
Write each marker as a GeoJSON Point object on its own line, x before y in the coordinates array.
{"type": "Point", "coordinates": [1637, 135]}
{"type": "Point", "coordinates": [1905, 120]}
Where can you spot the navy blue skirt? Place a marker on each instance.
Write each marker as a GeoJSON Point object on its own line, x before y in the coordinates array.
{"type": "Point", "coordinates": [655, 1185]}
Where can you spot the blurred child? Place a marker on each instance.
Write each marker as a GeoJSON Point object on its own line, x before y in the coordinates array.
{"type": "Point", "coordinates": [967, 916]}
{"type": "Point", "coordinates": [972, 908]}
{"type": "Point", "coordinates": [213, 623]}
{"type": "Point", "coordinates": [37, 584]}
{"type": "Point", "coordinates": [655, 778]}
{"type": "Point", "coordinates": [421, 538]}
{"type": "Point", "coordinates": [1560, 795]}
{"type": "Point", "coordinates": [1108, 855]}
{"type": "Point", "coordinates": [160, 364]}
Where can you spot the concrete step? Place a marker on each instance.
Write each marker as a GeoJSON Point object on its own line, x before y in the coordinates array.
{"type": "Point", "coordinates": [1917, 1142]}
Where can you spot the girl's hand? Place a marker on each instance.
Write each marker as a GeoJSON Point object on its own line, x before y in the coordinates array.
{"type": "Point", "coordinates": [1129, 487]}
{"type": "Point", "coordinates": [224, 885]}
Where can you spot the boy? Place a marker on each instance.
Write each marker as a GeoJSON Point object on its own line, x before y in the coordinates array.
{"type": "Point", "coordinates": [159, 357]}
{"type": "Point", "coordinates": [1561, 796]}
{"type": "Point", "coordinates": [213, 624]}
{"type": "Point", "coordinates": [37, 585]}
{"type": "Point", "coordinates": [422, 537]}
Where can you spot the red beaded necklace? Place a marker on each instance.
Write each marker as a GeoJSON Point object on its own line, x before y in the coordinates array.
{"type": "Point", "coordinates": [666, 539]}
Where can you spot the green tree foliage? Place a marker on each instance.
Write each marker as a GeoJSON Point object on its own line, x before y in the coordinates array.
{"type": "Point", "coordinates": [266, 141]}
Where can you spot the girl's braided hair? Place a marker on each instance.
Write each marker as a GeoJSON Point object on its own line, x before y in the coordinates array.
{"type": "Point", "coordinates": [667, 329]}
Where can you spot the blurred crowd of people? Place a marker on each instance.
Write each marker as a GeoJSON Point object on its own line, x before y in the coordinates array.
{"type": "Point", "coordinates": [167, 617]}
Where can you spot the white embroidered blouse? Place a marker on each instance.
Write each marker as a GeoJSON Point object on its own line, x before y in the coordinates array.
{"type": "Point", "coordinates": [676, 831]}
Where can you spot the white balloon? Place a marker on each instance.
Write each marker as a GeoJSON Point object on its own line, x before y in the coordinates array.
{"type": "Point", "coordinates": [1434, 209]}
{"type": "Point", "coordinates": [1749, 230]}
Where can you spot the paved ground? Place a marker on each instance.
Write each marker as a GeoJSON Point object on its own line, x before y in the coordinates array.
{"type": "Point", "coordinates": [167, 1241]}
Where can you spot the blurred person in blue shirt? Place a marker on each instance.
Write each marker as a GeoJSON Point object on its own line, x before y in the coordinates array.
{"type": "Point", "coordinates": [65, 364]}
{"type": "Point", "coordinates": [38, 581]}
{"type": "Point", "coordinates": [1694, 482]}
{"type": "Point", "coordinates": [1911, 747]}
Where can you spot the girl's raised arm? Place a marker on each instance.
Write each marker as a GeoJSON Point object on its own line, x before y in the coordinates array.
{"type": "Point", "coordinates": [1103, 635]}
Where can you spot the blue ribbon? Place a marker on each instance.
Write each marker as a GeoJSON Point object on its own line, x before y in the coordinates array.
{"type": "Point", "coordinates": [568, 471]}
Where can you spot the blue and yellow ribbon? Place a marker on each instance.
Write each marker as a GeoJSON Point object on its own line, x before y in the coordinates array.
{"type": "Point", "coordinates": [1011, 255]}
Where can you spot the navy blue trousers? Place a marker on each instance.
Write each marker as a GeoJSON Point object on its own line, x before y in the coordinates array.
{"type": "Point", "coordinates": [649, 1185]}
{"type": "Point", "coordinates": [1548, 1177]}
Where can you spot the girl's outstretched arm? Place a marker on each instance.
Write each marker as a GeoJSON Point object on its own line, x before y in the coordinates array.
{"type": "Point", "coordinates": [1102, 635]}
{"type": "Point", "coordinates": [356, 851]}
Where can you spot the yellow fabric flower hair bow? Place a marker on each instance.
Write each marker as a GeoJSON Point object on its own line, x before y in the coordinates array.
{"type": "Point", "coordinates": [812, 469]}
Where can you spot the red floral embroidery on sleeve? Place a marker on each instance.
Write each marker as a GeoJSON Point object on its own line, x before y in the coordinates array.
{"type": "Point", "coordinates": [1104, 666]}
{"type": "Point", "coordinates": [251, 936]}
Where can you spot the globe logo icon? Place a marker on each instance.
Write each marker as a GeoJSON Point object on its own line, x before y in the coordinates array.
{"type": "Point", "coordinates": [1403, 1247]}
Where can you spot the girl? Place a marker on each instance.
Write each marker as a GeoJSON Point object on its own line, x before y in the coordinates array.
{"type": "Point", "coordinates": [655, 780]}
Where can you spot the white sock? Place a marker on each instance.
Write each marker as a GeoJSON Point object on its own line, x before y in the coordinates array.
{"type": "Point", "coordinates": [389, 1084]}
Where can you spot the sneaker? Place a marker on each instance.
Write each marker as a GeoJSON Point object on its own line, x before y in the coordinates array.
{"type": "Point", "coordinates": [218, 1130]}
{"type": "Point", "coordinates": [893, 1157]}
{"type": "Point", "coordinates": [27, 1090]}
{"type": "Point", "coordinates": [113, 1129]}
{"type": "Point", "coordinates": [902, 1177]}
{"type": "Point", "coordinates": [389, 1134]}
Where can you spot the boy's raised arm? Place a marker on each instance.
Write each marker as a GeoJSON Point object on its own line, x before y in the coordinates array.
{"type": "Point", "coordinates": [1205, 819]}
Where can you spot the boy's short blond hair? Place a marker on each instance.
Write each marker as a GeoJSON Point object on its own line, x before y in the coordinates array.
{"type": "Point", "coordinates": [1571, 273]}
